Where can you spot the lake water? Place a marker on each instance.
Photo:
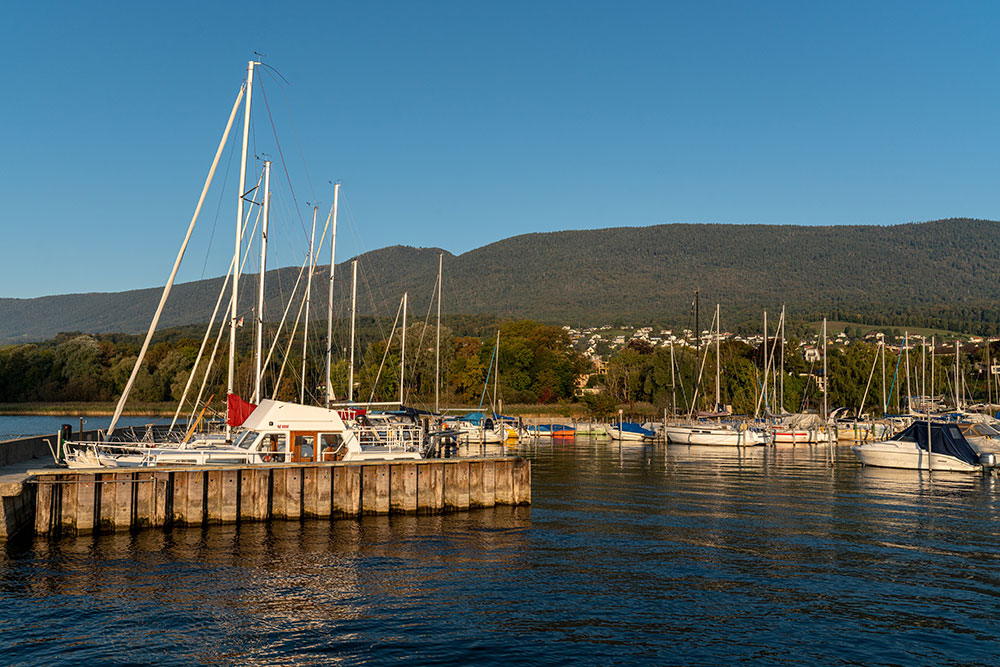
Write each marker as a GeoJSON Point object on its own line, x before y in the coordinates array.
{"type": "Point", "coordinates": [643, 554]}
{"type": "Point", "coordinates": [17, 426]}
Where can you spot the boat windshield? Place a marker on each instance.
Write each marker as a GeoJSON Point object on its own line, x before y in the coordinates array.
{"type": "Point", "coordinates": [246, 439]}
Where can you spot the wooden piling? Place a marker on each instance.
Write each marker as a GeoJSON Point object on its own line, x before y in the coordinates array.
{"type": "Point", "coordinates": [86, 492]}
{"type": "Point", "coordinates": [456, 485]}
{"type": "Point", "coordinates": [430, 488]}
{"type": "Point", "coordinates": [85, 501]}
{"type": "Point", "coordinates": [403, 488]}
{"type": "Point", "coordinates": [346, 491]}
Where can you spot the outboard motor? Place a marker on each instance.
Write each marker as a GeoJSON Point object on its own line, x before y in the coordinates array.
{"type": "Point", "coordinates": [988, 459]}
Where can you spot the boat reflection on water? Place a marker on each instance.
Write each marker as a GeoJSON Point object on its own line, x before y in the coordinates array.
{"type": "Point", "coordinates": [275, 587]}
{"type": "Point", "coordinates": [706, 454]}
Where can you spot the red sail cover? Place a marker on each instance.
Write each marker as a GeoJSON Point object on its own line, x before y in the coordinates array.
{"type": "Point", "coordinates": [237, 410]}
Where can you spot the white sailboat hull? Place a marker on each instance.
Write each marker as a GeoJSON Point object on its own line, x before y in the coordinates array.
{"type": "Point", "coordinates": [718, 437]}
{"type": "Point", "coordinates": [626, 436]}
{"type": "Point", "coordinates": [906, 455]}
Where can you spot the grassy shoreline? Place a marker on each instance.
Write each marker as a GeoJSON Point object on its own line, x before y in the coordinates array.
{"type": "Point", "coordinates": [79, 409]}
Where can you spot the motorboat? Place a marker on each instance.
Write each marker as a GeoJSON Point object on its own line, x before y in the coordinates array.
{"type": "Point", "coordinates": [984, 438]}
{"type": "Point", "coordinates": [275, 432]}
{"type": "Point", "coordinates": [629, 432]}
{"type": "Point", "coordinates": [922, 446]}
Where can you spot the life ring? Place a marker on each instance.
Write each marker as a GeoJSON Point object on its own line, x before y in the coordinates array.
{"type": "Point", "coordinates": [266, 458]}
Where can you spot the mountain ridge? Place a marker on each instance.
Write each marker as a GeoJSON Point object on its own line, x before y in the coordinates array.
{"type": "Point", "coordinates": [931, 273]}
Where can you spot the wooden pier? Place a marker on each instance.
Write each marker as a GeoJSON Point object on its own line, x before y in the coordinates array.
{"type": "Point", "coordinates": [84, 501]}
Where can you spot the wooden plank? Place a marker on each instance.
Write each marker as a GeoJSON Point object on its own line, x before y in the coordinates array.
{"type": "Point", "coordinates": [293, 491]}
{"type": "Point", "coordinates": [476, 495]}
{"type": "Point", "coordinates": [195, 505]}
{"type": "Point", "coordinates": [456, 486]}
{"type": "Point", "coordinates": [310, 499]}
{"type": "Point", "coordinates": [504, 470]}
{"type": "Point", "coordinates": [324, 481]}
{"type": "Point", "coordinates": [230, 495]}
{"type": "Point", "coordinates": [86, 496]}
{"type": "Point", "coordinates": [69, 493]}
{"type": "Point", "coordinates": [213, 504]}
{"type": "Point", "coordinates": [368, 489]}
{"type": "Point", "coordinates": [144, 499]}
{"type": "Point", "coordinates": [489, 483]}
{"type": "Point", "coordinates": [162, 505]}
{"type": "Point", "coordinates": [347, 483]}
{"type": "Point", "coordinates": [262, 494]}
{"type": "Point", "coordinates": [403, 488]}
{"type": "Point", "coordinates": [430, 488]}
{"type": "Point", "coordinates": [106, 512]}
{"type": "Point", "coordinates": [124, 488]}
{"type": "Point", "coordinates": [375, 489]}
{"type": "Point", "coordinates": [278, 495]}
{"type": "Point", "coordinates": [180, 493]}
{"type": "Point", "coordinates": [522, 482]}
{"type": "Point", "coordinates": [43, 505]}
{"type": "Point", "coordinates": [248, 510]}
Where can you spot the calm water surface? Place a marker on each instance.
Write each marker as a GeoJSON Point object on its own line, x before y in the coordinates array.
{"type": "Point", "coordinates": [637, 555]}
{"type": "Point", "coordinates": [17, 426]}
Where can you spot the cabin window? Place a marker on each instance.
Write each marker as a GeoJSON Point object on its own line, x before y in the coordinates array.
{"type": "Point", "coordinates": [274, 442]}
{"type": "Point", "coordinates": [305, 446]}
{"type": "Point", "coordinates": [331, 445]}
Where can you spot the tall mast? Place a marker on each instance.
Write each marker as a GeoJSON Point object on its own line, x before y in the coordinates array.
{"type": "Point", "coordinates": [496, 372]}
{"type": "Point", "coordinates": [885, 406]}
{"type": "Point", "coordinates": [697, 327]}
{"type": "Point", "coordinates": [909, 394]}
{"type": "Point", "coordinates": [782, 375]}
{"type": "Point", "coordinates": [329, 308]}
{"type": "Point", "coordinates": [933, 341]}
{"type": "Point", "coordinates": [957, 399]}
{"type": "Point", "coordinates": [236, 254]}
{"type": "Point", "coordinates": [402, 353]}
{"type": "Point", "coordinates": [923, 371]}
{"type": "Point", "coordinates": [437, 348]}
{"type": "Point", "coordinates": [826, 380]}
{"type": "Point", "coordinates": [305, 328]}
{"type": "Point", "coordinates": [764, 389]}
{"type": "Point", "coordinates": [673, 381]}
{"type": "Point", "coordinates": [718, 359]}
{"type": "Point", "coordinates": [989, 379]}
{"type": "Point", "coordinates": [263, 270]}
{"type": "Point", "coordinates": [354, 310]}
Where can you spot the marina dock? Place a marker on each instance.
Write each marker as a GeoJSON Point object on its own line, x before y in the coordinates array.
{"type": "Point", "coordinates": [52, 501]}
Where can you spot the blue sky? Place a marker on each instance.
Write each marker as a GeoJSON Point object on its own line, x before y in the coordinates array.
{"type": "Point", "coordinates": [456, 124]}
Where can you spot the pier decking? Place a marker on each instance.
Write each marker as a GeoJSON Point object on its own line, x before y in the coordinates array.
{"type": "Point", "coordinates": [52, 501]}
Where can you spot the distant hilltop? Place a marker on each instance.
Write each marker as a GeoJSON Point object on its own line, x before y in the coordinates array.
{"type": "Point", "coordinates": [938, 274]}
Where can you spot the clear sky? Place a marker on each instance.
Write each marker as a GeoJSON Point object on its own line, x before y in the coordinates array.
{"type": "Point", "coordinates": [455, 124]}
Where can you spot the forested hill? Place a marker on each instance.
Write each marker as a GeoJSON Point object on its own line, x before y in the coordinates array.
{"type": "Point", "coordinates": [940, 273]}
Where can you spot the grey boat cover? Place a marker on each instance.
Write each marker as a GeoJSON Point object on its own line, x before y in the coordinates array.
{"type": "Point", "coordinates": [945, 439]}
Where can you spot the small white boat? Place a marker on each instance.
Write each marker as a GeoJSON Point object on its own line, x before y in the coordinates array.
{"type": "Point", "coordinates": [948, 450]}
{"type": "Point", "coordinates": [629, 432]}
{"type": "Point", "coordinates": [722, 435]}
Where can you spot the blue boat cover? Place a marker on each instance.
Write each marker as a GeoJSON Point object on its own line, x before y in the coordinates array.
{"type": "Point", "coordinates": [945, 439]}
{"type": "Point", "coordinates": [632, 427]}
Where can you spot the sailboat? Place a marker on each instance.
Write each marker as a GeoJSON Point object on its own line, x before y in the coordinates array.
{"type": "Point", "coordinates": [269, 431]}
{"type": "Point", "coordinates": [714, 433]}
